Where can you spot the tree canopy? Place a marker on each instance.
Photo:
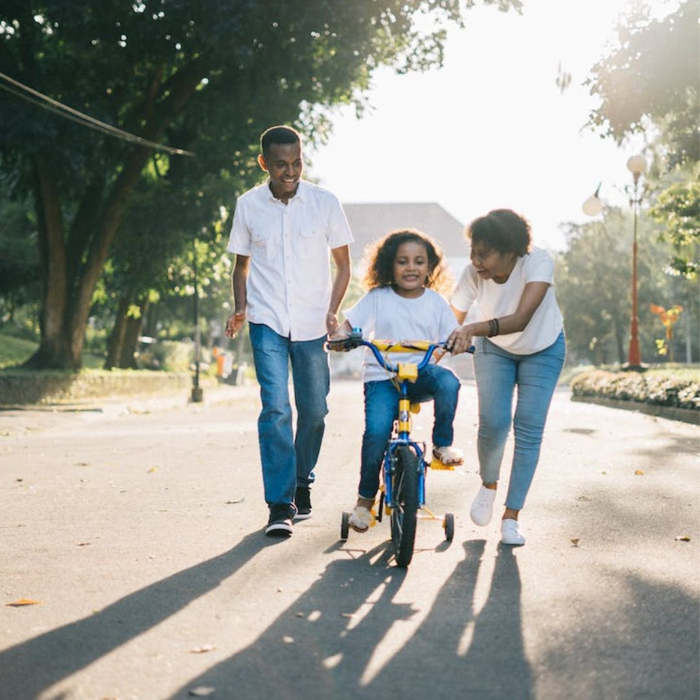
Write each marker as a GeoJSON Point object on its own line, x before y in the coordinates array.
{"type": "Point", "coordinates": [203, 76]}
{"type": "Point", "coordinates": [652, 74]}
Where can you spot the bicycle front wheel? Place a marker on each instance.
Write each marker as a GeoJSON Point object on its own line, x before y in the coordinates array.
{"type": "Point", "coordinates": [404, 487]}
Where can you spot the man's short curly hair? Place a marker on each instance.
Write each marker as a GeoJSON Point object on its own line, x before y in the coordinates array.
{"type": "Point", "coordinates": [381, 255]}
{"type": "Point", "coordinates": [502, 230]}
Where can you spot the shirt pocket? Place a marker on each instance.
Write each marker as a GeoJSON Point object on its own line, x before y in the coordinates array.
{"type": "Point", "coordinates": [311, 242]}
{"type": "Point", "coordinates": [260, 243]}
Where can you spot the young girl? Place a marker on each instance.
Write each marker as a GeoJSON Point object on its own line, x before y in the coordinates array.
{"type": "Point", "coordinates": [404, 270]}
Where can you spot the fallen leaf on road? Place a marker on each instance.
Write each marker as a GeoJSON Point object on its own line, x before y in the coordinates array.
{"type": "Point", "coordinates": [300, 614]}
{"type": "Point", "coordinates": [682, 538]}
{"type": "Point", "coordinates": [84, 544]}
{"type": "Point", "coordinates": [203, 649]}
{"type": "Point", "coordinates": [152, 469]}
{"type": "Point", "coordinates": [288, 640]}
{"type": "Point", "coordinates": [21, 602]}
{"type": "Point", "coordinates": [575, 541]}
{"type": "Point", "coordinates": [82, 464]}
{"type": "Point", "coordinates": [201, 691]}
{"type": "Point", "coordinates": [347, 614]}
{"type": "Point", "coordinates": [639, 472]}
{"type": "Point", "coordinates": [235, 500]}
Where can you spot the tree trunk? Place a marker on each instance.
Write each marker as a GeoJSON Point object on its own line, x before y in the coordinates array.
{"type": "Point", "coordinates": [619, 341]}
{"type": "Point", "coordinates": [54, 349]}
{"type": "Point", "coordinates": [131, 339]}
{"type": "Point", "coordinates": [116, 337]}
{"type": "Point", "coordinates": [67, 291]}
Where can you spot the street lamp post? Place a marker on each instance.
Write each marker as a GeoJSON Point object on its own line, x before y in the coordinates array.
{"type": "Point", "coordinates": [637, 165]}
{"type": "Point", "coordinates": [197, 392]}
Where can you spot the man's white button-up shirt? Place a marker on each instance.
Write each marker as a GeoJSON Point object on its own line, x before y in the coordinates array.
{"type": "Point", "coordinates": [289, 278]}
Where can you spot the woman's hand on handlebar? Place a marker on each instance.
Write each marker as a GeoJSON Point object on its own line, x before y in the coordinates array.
{"type": "Point", "coordinates": [460, 339]}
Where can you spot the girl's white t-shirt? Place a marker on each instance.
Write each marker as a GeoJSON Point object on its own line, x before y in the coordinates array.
{"type": "Point", "coordinates": [495, 300]}
{"type": "Point", "coordinates": [384, 315]}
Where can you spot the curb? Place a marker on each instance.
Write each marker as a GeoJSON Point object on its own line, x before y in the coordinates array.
{"type": "Point", "coordinates": [686, 415]}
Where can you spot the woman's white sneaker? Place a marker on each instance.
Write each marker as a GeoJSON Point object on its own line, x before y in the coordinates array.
{"type": "Point", "coordinates": [482, 507]}
{"type": "Point", "coordinates": [510, 532]}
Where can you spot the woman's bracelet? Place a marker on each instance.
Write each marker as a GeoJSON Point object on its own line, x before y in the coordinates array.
{"type": "Point", "coordinates": [494, 327]}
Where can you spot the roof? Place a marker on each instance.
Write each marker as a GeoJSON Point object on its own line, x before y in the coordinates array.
{"type": "Point", "coordinates": [372, 220]}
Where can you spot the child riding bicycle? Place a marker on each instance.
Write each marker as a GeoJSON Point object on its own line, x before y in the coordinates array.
{"type": "Point", "coordinates": [403, 273]}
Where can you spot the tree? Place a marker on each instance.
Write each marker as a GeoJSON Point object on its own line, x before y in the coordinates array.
{"type": "Point", "coordinates": [205, 76]}
{"type": "Point", "coordinates": [652, 75]}
{"type": "Point", "coordinates": [593, 279]}
{"type": "Point", "coordinates": [677, 208]}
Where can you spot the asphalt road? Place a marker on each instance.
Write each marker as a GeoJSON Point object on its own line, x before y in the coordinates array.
{"type": "Point", "coordinates": [138, 534]}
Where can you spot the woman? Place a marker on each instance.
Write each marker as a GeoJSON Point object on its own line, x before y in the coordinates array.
{"type": "Point", "coordinates": [519, 342]}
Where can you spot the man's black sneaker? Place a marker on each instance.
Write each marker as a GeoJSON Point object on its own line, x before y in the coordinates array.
{"type": "Point", "coordinates": [280, 522]}
{"type": "Point", "coordinates": [302, 499]}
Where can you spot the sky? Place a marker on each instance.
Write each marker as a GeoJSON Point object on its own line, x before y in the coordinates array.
{"type": "Point", "coordinates": [490, 128]}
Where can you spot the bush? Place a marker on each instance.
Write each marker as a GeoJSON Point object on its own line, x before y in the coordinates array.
{"type": "Point", "coordinates": [653, 388]}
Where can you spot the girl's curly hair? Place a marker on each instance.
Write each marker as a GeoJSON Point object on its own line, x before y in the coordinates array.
{"type": "Point", "coordinates": [381, 255]}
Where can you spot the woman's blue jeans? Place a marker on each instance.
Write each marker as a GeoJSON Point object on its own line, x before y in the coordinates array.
{"type": "Point", "coordinates": [497, 374]}
{"type": "Point", "coordinates": [381, 409]}
{"type": "Point", "coordinates": [287, 460]}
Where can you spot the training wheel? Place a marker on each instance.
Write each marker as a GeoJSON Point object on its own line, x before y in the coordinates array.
{"type": "Point", "coordinates": [449, 525]}
{"type": "Point", "coordinates": [344, 526]}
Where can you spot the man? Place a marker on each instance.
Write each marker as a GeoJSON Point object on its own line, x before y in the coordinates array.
{"type": "Point", "coordinates": [282, 232]}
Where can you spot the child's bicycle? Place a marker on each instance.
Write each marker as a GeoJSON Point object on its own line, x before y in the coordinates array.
{"type": "Point", "coordinates": [402, 478]}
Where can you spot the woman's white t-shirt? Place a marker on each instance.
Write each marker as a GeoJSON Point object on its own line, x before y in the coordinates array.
{"type": "Point", "coordinates": [495, 300]}
{"type": "Point", "coordinates": [383, 314]}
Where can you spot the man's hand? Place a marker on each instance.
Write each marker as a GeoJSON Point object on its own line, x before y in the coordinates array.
{"type": "Point", "coordinates": [331, 323]}
{"type": "Point", "coordinates": [235, 323]}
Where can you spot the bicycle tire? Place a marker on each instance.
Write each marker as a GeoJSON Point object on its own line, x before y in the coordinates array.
{"type": "Point", "coordinates": [405, 505]}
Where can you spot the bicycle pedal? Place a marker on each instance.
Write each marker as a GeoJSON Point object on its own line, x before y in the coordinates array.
{"type": "Point", "coordinates": [437, 464]}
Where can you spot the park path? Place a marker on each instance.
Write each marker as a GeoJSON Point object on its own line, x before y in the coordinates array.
{"type": "Point", "coordinates": [139, 535]}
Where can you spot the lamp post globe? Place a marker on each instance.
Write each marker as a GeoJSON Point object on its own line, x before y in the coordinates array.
{"type": "Point", "coordinates": [592, 206]}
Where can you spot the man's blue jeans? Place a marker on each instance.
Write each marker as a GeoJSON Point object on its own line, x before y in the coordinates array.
{"type": "Point", "coordinates": [497, 374]}
{"type": "Point", "coordinates": [287, 460]}
{"type": "Point", "coordinates": [381, 409]}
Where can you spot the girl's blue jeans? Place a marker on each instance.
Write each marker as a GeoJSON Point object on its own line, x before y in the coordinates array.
{"type": "Point", "coordinates": [381, 409]}
{"type": "Point", "coordinates": [288, 460]}
{"type": "Point", "coordinates": [497, 374]}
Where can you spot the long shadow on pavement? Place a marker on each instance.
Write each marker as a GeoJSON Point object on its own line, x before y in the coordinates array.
{"type": "Point", "coordinates": [442, 661]}
{"type": "Point", "coordinates": [31, 667]}
{"type": "Point", "coordinates": [333, 651]}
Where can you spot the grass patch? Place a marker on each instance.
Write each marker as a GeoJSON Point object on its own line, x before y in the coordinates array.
{"type": "Point", "coordinates": [15, 351]}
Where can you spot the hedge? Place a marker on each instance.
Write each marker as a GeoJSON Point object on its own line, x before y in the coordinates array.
{"type": "Point", "coordinates": [655, 389]}
{"type": "Point", "coordinates": [48, 386]}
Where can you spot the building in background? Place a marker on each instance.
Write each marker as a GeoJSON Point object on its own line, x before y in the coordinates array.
{"type": "Point", "coordinates": [370, 221]}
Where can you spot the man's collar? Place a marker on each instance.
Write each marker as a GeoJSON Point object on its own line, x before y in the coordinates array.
{"type": "Point", "coordinates": [302, 190]}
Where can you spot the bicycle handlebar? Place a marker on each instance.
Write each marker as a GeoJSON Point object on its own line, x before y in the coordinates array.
{"type": "Point", "coordinates": [355, 340]}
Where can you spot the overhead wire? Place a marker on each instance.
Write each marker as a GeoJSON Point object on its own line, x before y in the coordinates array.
{"type": "Point", "coordinates": [45, 102]}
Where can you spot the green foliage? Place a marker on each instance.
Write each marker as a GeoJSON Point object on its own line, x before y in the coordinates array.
{"type": "Point", "coordinates": [14, 351]}
{"type": "Point", "coordinates": [207, 77]}
{"type": "Point", "coordinates": [667, 388]}
{"type": "Point", "coordinates": [677, 208]}
{"type": "Point", "coordinates": [652, 75]}
{"type": "Point", "coordinates": [593, 287]}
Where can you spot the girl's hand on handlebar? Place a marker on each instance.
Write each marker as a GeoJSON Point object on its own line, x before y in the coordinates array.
{"type": "Point", "coordinates": [460, 339]}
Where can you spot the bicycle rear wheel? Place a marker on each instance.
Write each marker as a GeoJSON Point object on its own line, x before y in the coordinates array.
{"type": "Point", "coordinates": [404, 488]}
